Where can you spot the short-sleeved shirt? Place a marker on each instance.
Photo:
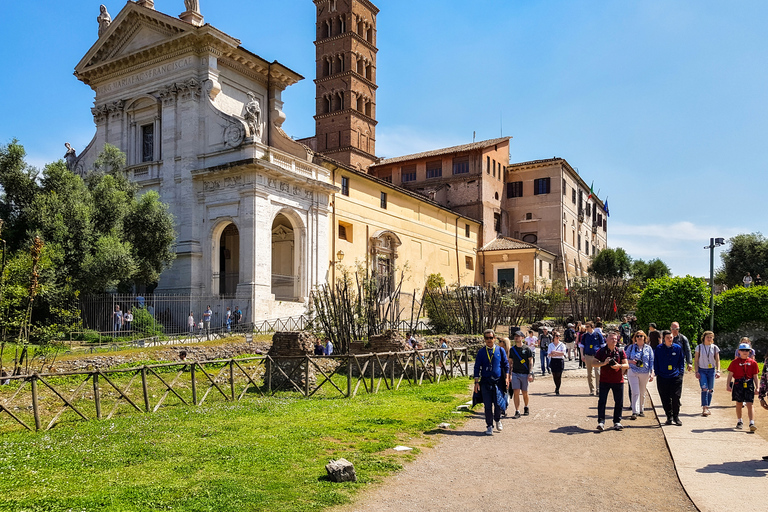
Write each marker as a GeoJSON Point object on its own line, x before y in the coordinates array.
{"type": "Point", "coordinates": [531, 341]}
{"type": "Point", "coordinates": [743, 368]}
{"type": "Point", "coordinates": [520, 358]}
{"type": "Point", "coordinates": [707, 355]}
{"type": "Point", "coordinates": [608, 374]}
{"type": "Point", "coordinates": [207, 315]}
{"type": "Point", "coordinates": [560, 347]}
{"type": "Point", "coordinates": [654, 338]}
{"type": "Point", "coordinates": [544, 341]}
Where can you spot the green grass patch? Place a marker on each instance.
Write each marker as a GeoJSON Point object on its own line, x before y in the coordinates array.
{"type": "Point", "coordinates": [257, 454]}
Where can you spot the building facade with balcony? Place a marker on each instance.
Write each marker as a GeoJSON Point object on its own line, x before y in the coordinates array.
{"type": "Point", "coordinates": [199, 118]}
{"type": "Point", "coordinates": [547, 204]}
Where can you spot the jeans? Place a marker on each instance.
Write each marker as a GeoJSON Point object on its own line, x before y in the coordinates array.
{"type": "Point", "coordinates": [618, 400]}
{"type": "Point", "coordinates": [492, 409]}
{"type": "Point", "coordinates": [707, 381]}
{"type": "Point", "coordinates": [545, 364]}
{"type": "Point", "coordinates": [670, 389]}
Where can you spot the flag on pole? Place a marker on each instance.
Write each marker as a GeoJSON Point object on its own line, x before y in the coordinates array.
{"type": "Point", "coordinates": [615, 309]}
{"type": "Point", "coordinates": [605, 208]}
{"type": "Point", "coordinates": [591, 191]}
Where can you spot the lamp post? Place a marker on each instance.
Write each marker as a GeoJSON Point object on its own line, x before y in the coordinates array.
{"type": "Point", "coordinates": [713, 242]}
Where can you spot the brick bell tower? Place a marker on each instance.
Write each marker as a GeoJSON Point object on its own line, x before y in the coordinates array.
{"type": "Point", "coordinates": [345, 124]}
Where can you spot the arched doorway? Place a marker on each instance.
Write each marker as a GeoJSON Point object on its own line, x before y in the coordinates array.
{"type": "Point", "coordinates": [229, 261]}
{"type": "Point", "coordinates": [285, 277]}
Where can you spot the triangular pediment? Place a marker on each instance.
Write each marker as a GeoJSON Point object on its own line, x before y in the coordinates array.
{"type": "Point", "coordinates": [134, 30]}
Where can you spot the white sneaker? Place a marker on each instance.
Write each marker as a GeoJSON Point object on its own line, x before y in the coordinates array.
{"type": "Point", "coordinates": [499, 426]}
{"type": "Point", "coordinates": [489, 431]}
{"type": "Point", "coordinates": [601, 426]}
{"type": "Point", "coordinates": [618, 426]}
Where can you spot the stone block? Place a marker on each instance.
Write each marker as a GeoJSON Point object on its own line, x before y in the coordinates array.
{"type": "Point", "coordinates": [341, 471]}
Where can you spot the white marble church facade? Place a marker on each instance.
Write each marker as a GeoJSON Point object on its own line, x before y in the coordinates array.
{"type": "Point", "coordinates": [199, 118]}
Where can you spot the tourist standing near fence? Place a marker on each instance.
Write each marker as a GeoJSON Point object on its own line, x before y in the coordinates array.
{"type": "Point", "coordinates": [669, 366]}
{"type": "Point", "coordinates": [117, 320]}
{"type": "Point", "coordinates": [191, 322]}
{"type": "Point", "coordinates": [207, 321]}
{"type": "Point", "coordinates": [612, 362]}
{"type": "Point", "coordinates": [491, 370]}
{"type": "Point", "coordinates": [556, 353]}
{"type": "Point", "coordinates": [640, 373]}
{"type": "Point", "coordinates": [128, 320]}
{"type": "Point", "coordinates": [706, 361]}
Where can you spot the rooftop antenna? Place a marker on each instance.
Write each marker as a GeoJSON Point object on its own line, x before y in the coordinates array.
{"type": "Point", "coordinates": [474, 134]}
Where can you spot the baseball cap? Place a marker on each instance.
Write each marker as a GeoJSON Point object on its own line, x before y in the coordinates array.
{"type": "Point", "coordinates": [520, 333]}
{"type": "Point", "coordinates": [744, 346]}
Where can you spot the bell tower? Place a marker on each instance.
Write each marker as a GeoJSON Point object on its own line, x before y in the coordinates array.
{"type": "Point", "coordinates": [345, 123]}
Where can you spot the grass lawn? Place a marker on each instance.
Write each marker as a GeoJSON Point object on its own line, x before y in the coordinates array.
{"type": "Point", "coordinates": [257, 454]}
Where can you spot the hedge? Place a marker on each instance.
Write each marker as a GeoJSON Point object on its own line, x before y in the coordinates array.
{"type": "Point", "coordinates": [675, 299]}
{"type": "Point", "coordinates": [739, 305]}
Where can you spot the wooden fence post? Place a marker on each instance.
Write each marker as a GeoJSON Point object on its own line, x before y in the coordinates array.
{"type": "Point", "coordinates": [194, 382]}
{"type": "Point", "coordinates": [35, 404]}
{"type": "Point", "coordinates": [232, 377]}
{"type": "Point", "coordinates": [144, 389]}
{"type": "Point", "coordinates": [372, 359]}
{"type": "Point", "coordinates": [96, 395]}
{"type": "Point", "coordinates": [269, 374]}
{"type": "Point", "coordinates": [466, 361]}
{"type": "Point", "coordinates": [415, 369]}
{"type": "Point", "coordinates": [392, 369]}
{"type": "Point", "coordinates": [306, 376]}
{"type": "Point", "coordinates": [349, 375]}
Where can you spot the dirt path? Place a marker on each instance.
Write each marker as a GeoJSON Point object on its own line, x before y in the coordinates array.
{"type": "Point", "coordinates": [551, 460]}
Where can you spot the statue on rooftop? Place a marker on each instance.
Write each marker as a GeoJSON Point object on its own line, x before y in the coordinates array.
{"type": "Point", "coordinates": [192, 5]}
{"type": "Point", "coordinates": [104, 19]}
{"type": "Point", "coordinates": [70, 157]}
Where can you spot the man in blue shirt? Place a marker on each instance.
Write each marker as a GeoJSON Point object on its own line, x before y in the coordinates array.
{"type": "Point", "coordinates": [491, 377]}
{"type": "Point", "coordinates": [669, 365]}
{"type": "Point", "coordinates": [592, 341]}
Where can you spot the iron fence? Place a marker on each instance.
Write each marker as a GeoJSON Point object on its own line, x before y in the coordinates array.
{"type": "Point", "coordinates": [41, 401]}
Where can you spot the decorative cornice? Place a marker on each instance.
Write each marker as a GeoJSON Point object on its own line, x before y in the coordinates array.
{"type": "Point", "coordinates": [244, 70]}
{"type": "Point", "coordinates": [353, 35]}
{"type": "Point", "coordinates": [347, 111]}
{"type": "Point", "coordinates": [348, 73]}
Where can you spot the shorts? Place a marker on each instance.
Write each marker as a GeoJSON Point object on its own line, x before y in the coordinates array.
{"type": "Point", "coordinates": [743, 394]}
{"type": "Point", "coordinates": [519, 381]}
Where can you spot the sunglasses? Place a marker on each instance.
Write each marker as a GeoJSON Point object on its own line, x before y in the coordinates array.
{"type": "Point", "coordinates": [643, 337]}
{"type": "Point", "coordinates": [488, 337]}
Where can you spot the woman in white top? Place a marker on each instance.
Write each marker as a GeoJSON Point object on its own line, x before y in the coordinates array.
{"type": "Point", "coordinates": [706, 361]}
{"type": "Point", "coordinates": [191, 323]}
{"type": "Point", "coordinates": [531, 341]}
{"type": "Point", "coordinates": [640, 358]}
{"type": "Point", "coordinates": [556, 353]}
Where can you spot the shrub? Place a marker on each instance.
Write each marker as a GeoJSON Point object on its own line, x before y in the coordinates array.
{"type": "Point", "coordinates": [739, 305]}
{"type": "Point", "coordinates": [675, 299]}
{"type": "Point", "coordinates": [144, 322]}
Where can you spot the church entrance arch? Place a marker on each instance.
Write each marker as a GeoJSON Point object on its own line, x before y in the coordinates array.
{"type": "Point", "coordinates": [226, 260]}
{"type": "Point", "coordinates": [285, 264]}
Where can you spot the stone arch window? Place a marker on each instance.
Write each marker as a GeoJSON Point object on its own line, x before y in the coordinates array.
{"type": "Point", "coordinates": [327, 66]}
{"type": "Point", "coordinates": [368, 109]}
{"type": "Point", "coordinates": [328, 104]}
{"type": "Point", "coordinates": [285, 275]}
{"type": "Point", "coordinates": [226, 259]}
{"type": "Point", "coordinates": [384, 245]}
{"type": "Point", "coordinates": [341, 63]}
{"type": "Point", "coordinates": [360, 66]}
{"type": "Point", "coordinates": [360, 103]}
{"type": "Point", "coordinates": [369, 72]}
{"type": "Point", "coordinates": [342, 25]}
{"type": "Point", "coordinates": [528, 216]}
{"type": "Point", "coordinates": [341, 100]}
{"type": "Point", "coordinates": [327, 29]}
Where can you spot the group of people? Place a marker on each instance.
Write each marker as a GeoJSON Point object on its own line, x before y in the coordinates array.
{"type": "Point", "coordinates": [748, 281]}
{"type": "Point", "coordinates": [323, 349]}
{"type": "Point", "coordinates": [121, 321]}
{"type": "Point", "coordinates": [661, 355]}
{"type": "Point", "coordinates": [231, 317]}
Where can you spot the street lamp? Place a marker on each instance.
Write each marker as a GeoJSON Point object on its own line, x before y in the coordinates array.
{"type": "Point", "coordinates": [713, 242]}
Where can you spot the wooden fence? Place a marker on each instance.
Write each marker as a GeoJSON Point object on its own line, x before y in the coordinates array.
{"type": "Point", "coordinates": [40, 401]}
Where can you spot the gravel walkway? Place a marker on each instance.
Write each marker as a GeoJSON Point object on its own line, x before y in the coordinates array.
{"type": "Point", "coordinates": [551, 460]}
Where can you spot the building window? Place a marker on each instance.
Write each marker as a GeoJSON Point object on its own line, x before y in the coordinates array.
{"type": "Point", "coordinates": [581, 200]}
{"type": "Point", "coordinates": [148, 143]}
{"type": "Point", "coordinates": [541, 186]}
{"type": "Point", "coordinates": [593, 250]}
{"type": "Point", "coordinates": [599, 220]}
{"type": "Point", "coordinates": [461, 165]}
{"type": "Point", "coordinates": [494, 168]}
{"type": "Point", "coordinates": [344, 186]}
{"type": "Point", "coordinates": [541, 268]}
{"type": "Point", "coordinates": [515, 189]}
{"type": "Point", "coordinates": [530, 238]}
{"type": "Point", "coordinates": [549, 270]}
{"type": "Point", "coordinates": [342, 232]}
{"type": "Point", "coordinates": [434, 169]}
{"type": "Point", "coordinates": [408, 173]}
{"type": "Point", "coordinates": [497, 222]}
{"type": "Point", "coordinates": [605, 225]}
{"type": "Point", "coordinates": [345, 231]}
{"type": "Point", "coordinates": [573, 196]}
{"type": "Point", "coordinates": [578, 246]}
{"type": "Point", "coordinates": [589, 209]}
{"type": "Point", "coordinates": [387, 178]}
{"type": "Point", "coordinates": [529, 216]}
{"type": "Point", "coordinates": [466, 230]}
{"type": "Point", "coordinates": [488, 165]}
{"type": "Point", "coordinates": [565, 188]}
{"type": "Point", "coordinates": [469, 263]}
{"type": "Point", "coordinates": [384, 200]}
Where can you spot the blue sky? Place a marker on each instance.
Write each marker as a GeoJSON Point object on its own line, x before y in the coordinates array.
{"type": "Point", "coordinates": [663, 104]}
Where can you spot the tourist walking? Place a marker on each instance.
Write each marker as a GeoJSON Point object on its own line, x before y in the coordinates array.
{"type": "Point", "coordinates": [743, 385]}
{"type": "Point", "coordinates": [626, 332]}
{"type": "Point", "coordinates": [744, 340]}
{"type": "Point", "coordinates": [669, 366]}
{"type": "Point", "coordinates": [747, 280]}
{"type": "Point", "coordinates": [544, 340]}
{"type": "Point", "coordinates": [521, 364]}
{"type": "Point", "coordinates": [640, 373]}
{"type": "Point", "coordinates": [556, 353]}
{"type": "Point", "coordinates": [654, 336]}
{"type": "Point", "coordinates": [758, 280]}
{"type": "Point", "coordinates": [328, 349]}
{"type": "Point", "coordinates": [681, 340]}
{"type": "Point", "coordinates": [532, 342]}
{"type": "Point", "coordinates": [491, 371]}
{"type": "Point", "coordinates": [569, 337]}
{"type": "Point", "coordinates": [592, 341]}
{"type": "Point", "coordinates": [706, 361]}
{"type": "Point", "coordinates": [612, 362]}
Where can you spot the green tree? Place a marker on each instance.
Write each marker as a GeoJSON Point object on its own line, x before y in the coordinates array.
{"type": "Point", "coordinates": [746, 253]}
{"type": "Point", "coordinates": [675, 299]}
{"type": "Point", "coordinates": [610, 263]}
{"type": "Point", "coordinates": [642, 272]}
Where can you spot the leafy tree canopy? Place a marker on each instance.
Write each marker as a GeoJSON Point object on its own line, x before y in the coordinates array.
{"type": "Point", "coordinates": [642, 271]}
{"type": "Point", "coordinates": [610, 263]}
{"type": "Point", "coordinates": [100, 235]}
{"type": "Point", "coordinates": [746, 253]}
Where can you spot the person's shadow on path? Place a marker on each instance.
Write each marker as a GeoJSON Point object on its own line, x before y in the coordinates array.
{"type": "Point", "coordinates": [448, 432]}
{"type": "Point", "coordinates": [570, 430]}
{"type": "Point", "coordinates": [749, 468]}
